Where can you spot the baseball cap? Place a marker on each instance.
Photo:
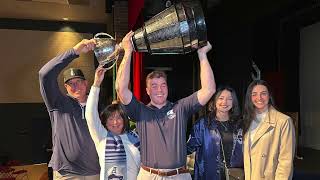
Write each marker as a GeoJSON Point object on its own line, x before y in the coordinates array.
{"type": "Point", "coordinates": [72, 73]}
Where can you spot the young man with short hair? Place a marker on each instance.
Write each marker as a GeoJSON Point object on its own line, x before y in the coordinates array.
{"type": "Point", "coordinates": [161, 124]}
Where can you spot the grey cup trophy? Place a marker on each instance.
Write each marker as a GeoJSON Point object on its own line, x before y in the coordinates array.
{"type": "Point", "coordinates": [179, 29]}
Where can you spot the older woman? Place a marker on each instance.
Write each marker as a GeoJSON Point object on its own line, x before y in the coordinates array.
{"type": "Point", "coordinates": [117, 147]}
{"type": "Point", "coordinates": [269, 138]}
{"type": "Point", "coordinates": [217, 136]}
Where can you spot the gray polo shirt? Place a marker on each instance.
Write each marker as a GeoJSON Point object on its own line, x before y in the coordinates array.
{"type": "Point", "coordinates": [162, 131]}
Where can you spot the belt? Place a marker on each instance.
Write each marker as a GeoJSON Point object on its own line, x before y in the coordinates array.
{"type": "Point", "coordinates": [181, 170]}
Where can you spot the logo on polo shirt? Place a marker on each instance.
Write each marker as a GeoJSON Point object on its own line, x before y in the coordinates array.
{"type": "Point", "coordinates": [171, 114]}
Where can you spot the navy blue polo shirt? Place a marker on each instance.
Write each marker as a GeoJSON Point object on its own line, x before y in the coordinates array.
{"type": "Point", "coordinates": [162, 131]}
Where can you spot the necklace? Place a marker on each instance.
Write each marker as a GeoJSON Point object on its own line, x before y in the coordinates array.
{"type": "Point", "coordinates": [225, 127]}
{"type": "Point", "coordinates": [224, 122]}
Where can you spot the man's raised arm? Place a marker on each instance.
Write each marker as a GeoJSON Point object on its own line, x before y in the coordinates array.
{"type": "Point", "coordinates": [123, 74]}
{"type": "Point", "coordinates": [208, 85]}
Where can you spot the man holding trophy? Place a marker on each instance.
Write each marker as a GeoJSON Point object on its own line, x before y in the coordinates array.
{"type": "Point", "coordinates": [162, 124]}
{"type": "Point", "coordinates": [74, 154]}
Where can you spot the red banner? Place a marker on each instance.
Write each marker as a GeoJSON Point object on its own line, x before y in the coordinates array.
{"type": "Point", "coordinates": [134, 17]}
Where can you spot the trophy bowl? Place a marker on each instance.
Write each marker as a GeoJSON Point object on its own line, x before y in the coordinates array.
{"type": "Point", "coordinates": [106, 50]}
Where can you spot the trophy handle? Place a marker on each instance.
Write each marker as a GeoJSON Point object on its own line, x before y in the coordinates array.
{"type": "Point", "coordinates": [102, 34]}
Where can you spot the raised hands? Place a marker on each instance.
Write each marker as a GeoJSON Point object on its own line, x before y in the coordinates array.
{"type": "Point", "coordinates": [99, 76]}
{"type": "Point", "coordinates": [84, 46]}
{"type": "Point", "coordinates": [126, 43]}
{"type": "Point", "coordinates": [202, 52]}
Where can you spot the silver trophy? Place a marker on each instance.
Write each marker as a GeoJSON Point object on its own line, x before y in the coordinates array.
{"type": "Point", "coordinates": [179, 29]}
{"type": "Point", "coordinates": [106, 50]}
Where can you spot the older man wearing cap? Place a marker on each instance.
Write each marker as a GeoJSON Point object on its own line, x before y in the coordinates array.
{"type": "Point", "coordinates": [74, 154]}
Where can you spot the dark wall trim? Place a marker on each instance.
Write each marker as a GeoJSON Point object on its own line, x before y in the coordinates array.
{"type": "Point", "coordinates": [43, 25]}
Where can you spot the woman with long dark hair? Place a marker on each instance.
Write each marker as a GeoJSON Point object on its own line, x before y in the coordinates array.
{"type": "Point", "coordinates": [217, 137]}
{"type": "Point", "coordinates": [269, 139]}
